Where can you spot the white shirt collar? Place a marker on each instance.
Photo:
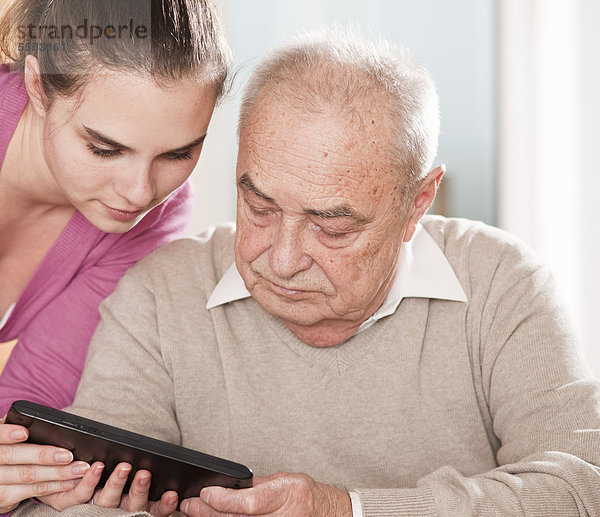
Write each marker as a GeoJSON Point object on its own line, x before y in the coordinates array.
{"type": "Point", "coordinates": [229, 289]}
{"type": "Point", "coordinates": [423, 271]}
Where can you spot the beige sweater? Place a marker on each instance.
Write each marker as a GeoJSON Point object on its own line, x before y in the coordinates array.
{"type": "Point", "coordinates": [444, 408]}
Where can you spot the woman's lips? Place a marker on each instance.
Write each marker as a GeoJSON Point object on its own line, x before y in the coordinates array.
{"type": "Point", "coordinates": [123, 215]}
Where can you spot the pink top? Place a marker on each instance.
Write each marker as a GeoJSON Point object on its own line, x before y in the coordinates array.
{"type": "Point", "coordinates": [57, 312]}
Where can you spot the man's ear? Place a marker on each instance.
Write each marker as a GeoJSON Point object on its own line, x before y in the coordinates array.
{"type": "Point", "coordinates": [33, 84]}
{"type": "Point", "coordinates": [423, 200]}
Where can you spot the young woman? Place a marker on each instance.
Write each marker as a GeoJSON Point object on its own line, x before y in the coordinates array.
{"type": "Point", "coordinates": [104, 107]}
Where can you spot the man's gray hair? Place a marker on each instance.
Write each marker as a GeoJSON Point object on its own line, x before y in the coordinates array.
{"type": "Point", "coordinates": [339, 71]}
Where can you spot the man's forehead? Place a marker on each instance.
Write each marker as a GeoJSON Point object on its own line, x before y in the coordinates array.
{"type": "Point", "coordinates": [284, 149]}
{"type": "Point", "coordinates": [348, 170]}
{"type": "Point", "coordinates": [367, 112]}
{"type": "Point", "coordinates": [325, 137]}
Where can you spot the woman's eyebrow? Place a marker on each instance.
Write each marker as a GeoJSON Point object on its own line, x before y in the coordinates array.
{"type": "Point", "coordinates": [99, 136]}
{"type": "Point", "coordinates": [108, 141]}
{"type": "Point", "coordinates": [189, 146]}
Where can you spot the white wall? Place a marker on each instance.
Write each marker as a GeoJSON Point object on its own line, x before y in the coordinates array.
{"type": "Point", "coordinates": [454, 40]}
{"type": "Point", "coordinates": [549, 176]}
{"type": "Point", "coordinates": [589, 193]}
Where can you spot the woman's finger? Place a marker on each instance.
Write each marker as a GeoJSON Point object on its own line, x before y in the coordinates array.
{"type": "Point", "coordinates": [110, 496]}
{"type": "Point", "coordinates": [10, 433]}
{"type": "Point", "coordinates": [166, 506]}
{"type": "Point", "coordinates": [12, 495]}
{"type": "Point", "coordinates": [137, 498]}
{"type": "Point", "coordinates": [32, 454]}
{"type": "Point", "coordinates": [30, 474]}
{"type": "Point", "coordinates": [81, 493]}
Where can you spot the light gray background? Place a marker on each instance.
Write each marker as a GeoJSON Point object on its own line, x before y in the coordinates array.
{"type": "Point", "coordinates": [454, 40]}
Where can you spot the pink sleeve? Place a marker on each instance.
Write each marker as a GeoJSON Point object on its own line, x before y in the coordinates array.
{"type": "Point", "coordinates": [46, 364]}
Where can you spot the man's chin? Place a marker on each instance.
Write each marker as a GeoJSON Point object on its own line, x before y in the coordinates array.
{"type": "Point", "coordinates": [295, 312]}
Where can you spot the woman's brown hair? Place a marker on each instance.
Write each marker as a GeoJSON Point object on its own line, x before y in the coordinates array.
{"type": "Point", "coordinates": [162, 39]}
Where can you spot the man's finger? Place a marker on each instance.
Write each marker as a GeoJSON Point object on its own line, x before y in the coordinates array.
{"type": "Point", "coordinates": [259, 500]}
{"type": "Point", "coordinates": [196, 507]}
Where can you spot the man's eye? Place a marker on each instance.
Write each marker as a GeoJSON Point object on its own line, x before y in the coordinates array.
{"type": "Point", "coordinates": [335, 238]}
{"type": "Point", "coordinates": [105, 153]}
{"type": "Point", "coordinates": [258, 211]}
{"type": "Point", "coordinates": [256, 208]}
{"type": "Point", "coordinates": [333, 235]}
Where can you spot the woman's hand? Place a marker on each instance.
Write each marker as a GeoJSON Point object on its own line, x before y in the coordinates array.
{"type": "Point", "coordinates": [137, 498]}
{"type": "Point", "coordinates": [28, 470]}
{"type": "Point", "coordinates": [111, 496]}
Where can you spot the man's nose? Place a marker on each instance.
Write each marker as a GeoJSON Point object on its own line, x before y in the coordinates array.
{"type": "Point", "coordinates": [136, 186]}
{"type": "Point", "coordinates": [287, 254]}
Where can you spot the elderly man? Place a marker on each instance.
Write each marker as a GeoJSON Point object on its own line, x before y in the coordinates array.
{"type": "Point", "coordinates": [400, 364]}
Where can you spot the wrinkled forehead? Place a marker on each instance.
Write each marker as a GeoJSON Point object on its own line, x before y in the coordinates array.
{"type": "Point", "coordinates": [362, 130]}
{"type": "Point", "coordinates": [366, 110]}
{"type": "Point", "coordinates": [343, 155]}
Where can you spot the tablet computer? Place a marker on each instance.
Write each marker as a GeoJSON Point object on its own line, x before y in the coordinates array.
{"type": "Point", "coordinates": [173, 467]}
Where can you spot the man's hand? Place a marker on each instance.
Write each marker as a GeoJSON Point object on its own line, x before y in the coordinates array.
{"type": "Point", "coordinates": [286, 495]}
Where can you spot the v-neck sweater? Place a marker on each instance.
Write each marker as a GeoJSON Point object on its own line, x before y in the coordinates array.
{"type": "Point", "coordinates": [443, 408]}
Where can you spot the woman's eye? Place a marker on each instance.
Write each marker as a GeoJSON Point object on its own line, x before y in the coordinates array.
{"type": "Point", "coordinates": [105, 153]}
{"type": "Point", "coordinates": [180, 156]}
